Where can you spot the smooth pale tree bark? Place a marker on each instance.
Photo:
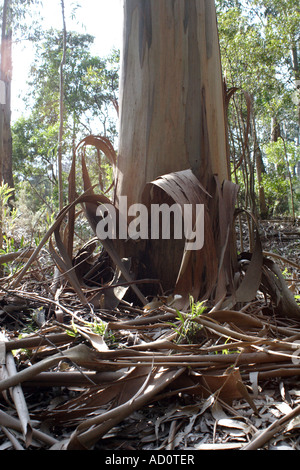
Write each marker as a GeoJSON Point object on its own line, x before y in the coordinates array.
{"type": "Point", "coordinates": [296, 69]}
{"type": "Point", "coordinates": [7, 137]}
{"type": "Point", "coordinates": [5, 118]}
{"type": "Point", "coordinates": [6, 175]}
{"type": "Point", "coordinates": [61, 112]}
{"type": "Point", "coordinates": [171, 93]}
{"type": "Point", "coordinates": [171, 108]}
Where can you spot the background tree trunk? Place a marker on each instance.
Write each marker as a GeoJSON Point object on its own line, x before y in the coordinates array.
{"type": "Point", "coordinates": [295, 61]}
{"type": "Point", "coordinates": [7, 137]}
{"type": "Point", "coordinates": [6, 76]}
{"type": "Point", "coordinates": [171, 108]}
{"type": "Point", "coordinates": [260, 170]}
{"type": "Point", "coordinates": [61, 112]}
{"type": "Point", "coordinates": [6, 175]}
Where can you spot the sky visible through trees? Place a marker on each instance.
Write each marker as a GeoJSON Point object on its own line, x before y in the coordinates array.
{"type": "Point", "coordinates": [100, 18]}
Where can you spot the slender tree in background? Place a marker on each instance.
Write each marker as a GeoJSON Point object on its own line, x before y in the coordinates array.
{"type": "Point", "coordinates": [61, 111]}
{"type": "Point", "coordinates": [6, 174]}
{"type": "Point", "coordinates": [90, 85]}
{"type": "Point", "coordinates": [13, 14]}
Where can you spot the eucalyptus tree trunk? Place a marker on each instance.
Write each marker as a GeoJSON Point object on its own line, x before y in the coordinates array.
{"type": "Point", "coordinates": [171, 93]}
{"type": "Point", "coordinates": [171, 105]}
{"type": "Point", "coordinates": [6, 175]}
{"type": "Point", "coordinates": [295, 62]}
{"type": "Point", "coordinates": [61, 112]}
{"type": "Point", "coordinates": [6, 77]}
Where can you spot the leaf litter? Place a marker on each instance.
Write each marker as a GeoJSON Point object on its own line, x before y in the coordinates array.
{"type": "Point", "coordinates": [82, 366]}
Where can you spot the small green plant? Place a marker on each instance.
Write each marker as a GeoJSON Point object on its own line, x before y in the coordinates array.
{"type": "Point", "coordinates": [188, 329]}
{"type": "Point", "coordinates": [226, 351]}
{"type": "Point", "coordinates": [100, 328]}
{"type": "Point", "coordinates": [285, 273]}
{"type": "Point", "coordinates": [5, 193]}
{"type": "Point", "coordinates": [9, 244]}
{"type": "Point", "coordinates": [6, 214]}
{"type": "Point", "coordinates": [197, 308]}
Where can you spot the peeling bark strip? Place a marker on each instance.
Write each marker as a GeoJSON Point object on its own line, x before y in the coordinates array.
{"type": "Point", "coordinates": [171, 93]}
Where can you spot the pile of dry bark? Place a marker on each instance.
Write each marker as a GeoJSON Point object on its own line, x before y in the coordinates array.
{"type": "Point", "coordinates": [82, 364]}
{"type": "Point", "coordinates": [82, 377]}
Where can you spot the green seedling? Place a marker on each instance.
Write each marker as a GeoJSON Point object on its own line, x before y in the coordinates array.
{"type": "Point", "coordinates": [100, 328]}
{"type": "Point", "coordinates": [187, 329]}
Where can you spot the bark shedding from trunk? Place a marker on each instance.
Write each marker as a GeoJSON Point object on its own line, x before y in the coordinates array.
{"type": "Point", "coordinates": [171, 114]}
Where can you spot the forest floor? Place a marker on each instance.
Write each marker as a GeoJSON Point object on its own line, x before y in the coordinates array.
{"type": "Point", "coordinates": [76, 376]}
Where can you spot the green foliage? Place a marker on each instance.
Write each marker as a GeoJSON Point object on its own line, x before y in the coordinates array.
{"type": "Point", "coordinates": [90, 84]}
{"type": "Point", "coordinates": [197, 308]}
{"type": "Point", "coordinates": [23, 18]}
{"type": "Point", "coordinates": [5, 193]}
{"type": "Point", "coordinates": [99, 327]}
{"type": "Point", "coordinates": [90, 91]}
{"type": "Point", "coordinates": [275, 180]}
{"type": "Point", "coordinates": [7, 217]}
{"type": "Point", "coordinates": [26, 223]}
{"type": "Point", "coordinates": [34, 149]}
{"type": "Point", "coordinates": [187, 329]}
{"type": "Point", "coordinates": [259, 42]}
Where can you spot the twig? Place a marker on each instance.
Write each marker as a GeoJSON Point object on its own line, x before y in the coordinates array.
{"type": "Point", "coordinates": [19, 401]}
{"type": "Point", "coordinates": [16, 255]}
{"type": "Point", "coordinates": [285, 260]}
{"type": "Point", "coordinates": [14, 441]}
{"type": "Point", "coordinates": [13, 423]}
{"type": "Point", "coordinates": [38, 341]}
{"type": "Point", "coordinates": [172, 434]}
